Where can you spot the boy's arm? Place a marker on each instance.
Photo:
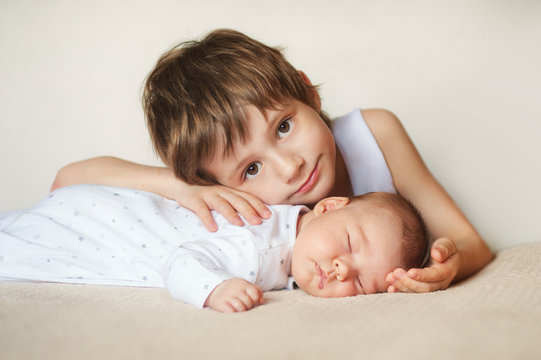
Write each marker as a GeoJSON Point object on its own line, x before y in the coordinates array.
{"type": "Point", "coordinates": [458, 251]}
{"type": "Point", "coordinates": [191, 275]}
{"type": "Point", "coordinates": [112, 171]}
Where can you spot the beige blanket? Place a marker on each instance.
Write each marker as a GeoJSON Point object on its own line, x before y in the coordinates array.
{"type": "Point", "coordinates": [493, 315]}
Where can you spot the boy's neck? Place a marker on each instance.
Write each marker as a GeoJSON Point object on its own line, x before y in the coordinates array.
{"type": "Point", "coordinates": [342, 183]}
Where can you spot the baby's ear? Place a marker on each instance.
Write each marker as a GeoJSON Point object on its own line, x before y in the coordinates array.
{"type": "Point", "coordinates": [330, 203]}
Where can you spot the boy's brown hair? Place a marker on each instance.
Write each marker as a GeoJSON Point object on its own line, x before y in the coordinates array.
{"type": "Point", "coordinates": [194, 97]}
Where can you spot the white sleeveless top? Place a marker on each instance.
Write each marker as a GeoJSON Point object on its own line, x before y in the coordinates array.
{"type": "Point", "coordinates": [367, 168]}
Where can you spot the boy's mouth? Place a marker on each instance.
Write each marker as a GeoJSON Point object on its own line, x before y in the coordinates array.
{"type": "Point", "coordinates": [309, 183]}
{"type": "Point", "coordinates": [322, 276]}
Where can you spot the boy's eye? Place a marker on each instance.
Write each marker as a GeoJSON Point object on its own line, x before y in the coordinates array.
{"type": "Point", "coordinates": [349, 244]}
{"type": "Point", "coordinates": [252, 170]}
{"type": "Point", "coordinates": [284, 128]}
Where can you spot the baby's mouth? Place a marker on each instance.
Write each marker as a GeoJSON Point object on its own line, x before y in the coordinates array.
{"type": "Point", "coordinates": [322, 276]}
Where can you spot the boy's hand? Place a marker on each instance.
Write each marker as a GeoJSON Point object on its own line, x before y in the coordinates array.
{"type": "Point", "coordinates": [438, 276]}
{"type": "Point", "coordinates": [235, 295]}
{"type": "Point", "coordinates": [228, 202]}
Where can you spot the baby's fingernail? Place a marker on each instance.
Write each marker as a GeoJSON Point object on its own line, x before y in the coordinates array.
{"type": "Point", "coordinates": [389, 278]}
{"type": "Point", "coordinates": [266, 213]}
{"type": "Point", "coordinates": [254, 220]}
{"type": "Point", "coordinates": [399, 273]}
{"type": "Point", "coordinates": [238, 222]}
{"type": "Point", "coordinates": [413, 274]}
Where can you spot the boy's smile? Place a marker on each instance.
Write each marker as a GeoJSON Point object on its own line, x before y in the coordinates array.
{"type": "Point", "coordinates": [288, 156]}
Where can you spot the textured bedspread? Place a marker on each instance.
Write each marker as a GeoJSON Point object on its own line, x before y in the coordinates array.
{"type": "Point", "coordinates": [494, 315]}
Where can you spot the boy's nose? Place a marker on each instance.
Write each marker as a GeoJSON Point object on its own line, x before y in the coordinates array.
{"type": "Point", "coordinates": [289, 165]}
{"type": "Point", "coordinates": [341, 269]}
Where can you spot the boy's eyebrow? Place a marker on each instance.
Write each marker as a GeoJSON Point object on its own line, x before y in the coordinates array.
{"type": "Point", "coordinates": [239, 166]}
{"type": "Point", "coordinates": [270, 120]}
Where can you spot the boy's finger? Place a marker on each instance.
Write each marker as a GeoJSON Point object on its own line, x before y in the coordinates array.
{"type": "Point", "coordinates": [223, 207]}
{"type": "Point", "coordinates": [401, 287]}
{"type": "Point", "coordinates": [430, 274]}
{"type": "Point", "coordinates": [261, 208]}
{"type": "Point", "coordinates": [203, 213]}
{"type": "Point", "coordinates": [408, 285]}
{"type": "Point", "coordinates": [442, 249]}
{"type": "Point", "coordinates": [255, 203]}
{"type": "Point", "coordinates": [243, 207]}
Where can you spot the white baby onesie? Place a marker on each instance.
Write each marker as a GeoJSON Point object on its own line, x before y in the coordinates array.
{"type": "Point", "coordinates": [115, 236]}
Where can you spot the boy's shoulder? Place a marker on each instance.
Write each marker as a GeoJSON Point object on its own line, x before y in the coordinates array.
{"type": "Point", "coordinates": [380, 120]}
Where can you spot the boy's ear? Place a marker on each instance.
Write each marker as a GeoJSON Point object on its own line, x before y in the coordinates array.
{"type": "Point", "coordinates": [329, 204]}
{"type": "Point", "coordinates": [315, 94]}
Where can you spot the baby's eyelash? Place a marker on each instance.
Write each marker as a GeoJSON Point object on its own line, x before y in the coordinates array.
{"type": "Point", "coordinates": [361, 288]}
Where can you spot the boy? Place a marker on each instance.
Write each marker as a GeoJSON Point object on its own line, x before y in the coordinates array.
{"type": "Point", "coordinates": [240, 127]}
{"type": "Point", "coordinates": [117, 236]}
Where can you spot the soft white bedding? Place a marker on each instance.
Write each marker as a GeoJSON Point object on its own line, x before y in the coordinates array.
{"type": "Point", "coordinates": [496, 314]}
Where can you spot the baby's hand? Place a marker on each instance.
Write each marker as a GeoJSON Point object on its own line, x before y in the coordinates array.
{"type": "Point", "coordinates": [228, 202]}
{"type": "Point", "coordinates": [438, 276]}
{"type": "Point", "coordinates": [235, 295]}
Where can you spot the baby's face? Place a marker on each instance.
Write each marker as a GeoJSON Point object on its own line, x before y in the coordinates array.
{"type": "Point", "coordinates": [348, 250]}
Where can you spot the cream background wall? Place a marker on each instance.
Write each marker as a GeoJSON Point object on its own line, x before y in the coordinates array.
{"type": "Point", "coordinates": [463, 76]}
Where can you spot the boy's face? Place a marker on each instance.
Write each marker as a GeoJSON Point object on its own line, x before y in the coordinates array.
{"type": "Point", "coordinates": [347, 249]}
{"type": "Point", "coordinates": [288, 157]}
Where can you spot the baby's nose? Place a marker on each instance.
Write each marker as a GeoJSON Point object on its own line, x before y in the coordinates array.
{"type": "Point", "coordinates": [341, 268]}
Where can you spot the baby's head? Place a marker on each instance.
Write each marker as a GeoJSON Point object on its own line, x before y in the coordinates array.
{"type": "Point", "coordinates": [195, 97]}
{"type": "Point", "coordinates": [347, 246]}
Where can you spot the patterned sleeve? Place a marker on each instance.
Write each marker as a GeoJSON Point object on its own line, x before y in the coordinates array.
{"type": "Point", "coordinates": [192, 273]}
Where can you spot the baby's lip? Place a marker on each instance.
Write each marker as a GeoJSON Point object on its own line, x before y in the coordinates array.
{"type": "Point", "coordinates": [322, 276]}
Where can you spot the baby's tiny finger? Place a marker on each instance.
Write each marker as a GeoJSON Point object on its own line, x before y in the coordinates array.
{"type": "Point", "coordinates": [256, 294]}
{"type": "Point", "coordinates": [225, 308]}
{"type": "Point", "coordinates": [247, 301]}
{"type": "Point", "coordinates": [238, 305]}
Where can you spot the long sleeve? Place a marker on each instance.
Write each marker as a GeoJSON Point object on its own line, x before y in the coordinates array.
{"type": "Point", "coordinates": [191, 274]}
{"type": "Point", "coordinates": [194, 269]}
